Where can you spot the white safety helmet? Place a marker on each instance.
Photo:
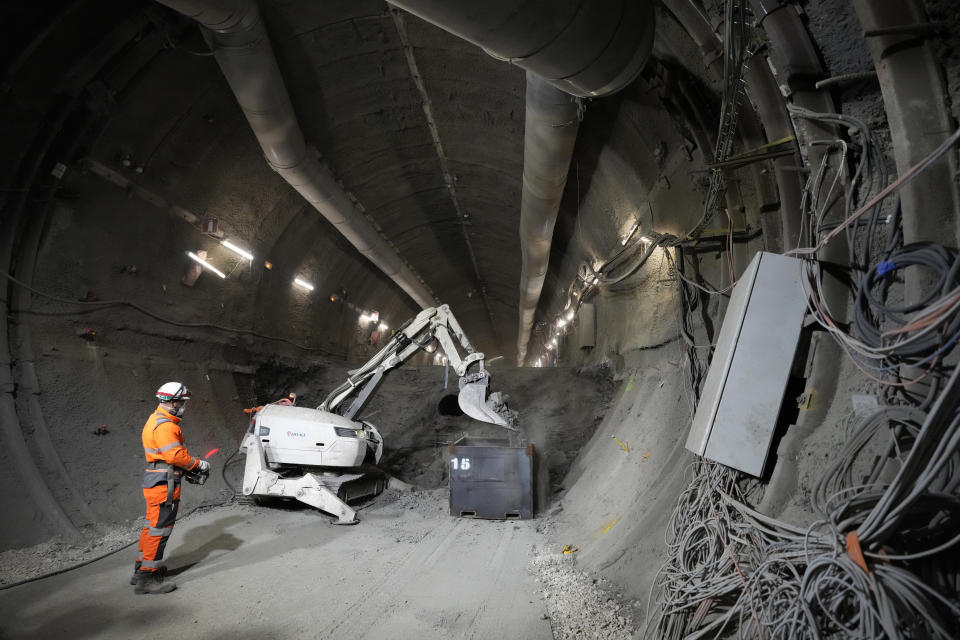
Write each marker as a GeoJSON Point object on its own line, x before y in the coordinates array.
{"type": "Point", "coordinates": [173, 391]}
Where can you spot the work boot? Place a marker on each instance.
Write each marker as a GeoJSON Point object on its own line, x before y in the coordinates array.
{"type": "Point", "coordinates": [152, 582]}
{"type": "Point", "coordinates": [162, 570]}
{"type": "Point", "coordinates": [136, 572]}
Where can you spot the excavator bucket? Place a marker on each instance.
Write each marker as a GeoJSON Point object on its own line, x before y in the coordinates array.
{"type": "Point", "coordinates": [473, 401]}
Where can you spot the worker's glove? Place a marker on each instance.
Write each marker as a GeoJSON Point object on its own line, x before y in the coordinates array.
{"type": "Point", "coordinates": [203, 467]}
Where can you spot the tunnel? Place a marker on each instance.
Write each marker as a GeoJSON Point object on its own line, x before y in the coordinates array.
{"type": "Point", "coordinates": [690, 266]}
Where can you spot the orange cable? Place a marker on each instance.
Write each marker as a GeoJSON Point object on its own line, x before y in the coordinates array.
{"type": "Point", "coordinates": [855, 552]}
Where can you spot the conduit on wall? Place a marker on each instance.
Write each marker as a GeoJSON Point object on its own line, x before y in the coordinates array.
{"type": "Point", "coordinates": [770, 110]}
{"type": "Point", "coordinates": [237, 36]}
{"type": "Point", "coordinates": [916, 106]}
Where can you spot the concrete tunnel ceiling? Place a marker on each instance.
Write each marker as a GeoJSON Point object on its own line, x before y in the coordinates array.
{"type": "Point", "coordinates": [124, 148]}
{"type": "Point", "coordinates": [367, 86]}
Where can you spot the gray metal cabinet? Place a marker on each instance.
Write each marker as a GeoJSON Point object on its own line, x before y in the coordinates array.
{"type": "Point", "coordinates": [743, 391]}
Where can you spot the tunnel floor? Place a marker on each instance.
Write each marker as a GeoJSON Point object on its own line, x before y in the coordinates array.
{"type": "Point", "coordinates": [407, 570]}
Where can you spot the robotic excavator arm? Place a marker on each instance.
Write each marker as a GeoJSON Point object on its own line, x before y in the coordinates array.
{"type": "Point", "coordinates": [316, 455]}
{"type": "Point", "coordinates": [433, 323]}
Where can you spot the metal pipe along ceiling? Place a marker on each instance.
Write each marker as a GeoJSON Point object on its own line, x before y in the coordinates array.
{"type": "Point", "coordinates": [583, 47]}
{"type": "Point", "coordinates": [550, 133]}
{"type": "Point", "coordinates": [242, 48]}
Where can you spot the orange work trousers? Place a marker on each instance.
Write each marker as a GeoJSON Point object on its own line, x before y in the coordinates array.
{"type": "Point", "coordinates": [161, 516]}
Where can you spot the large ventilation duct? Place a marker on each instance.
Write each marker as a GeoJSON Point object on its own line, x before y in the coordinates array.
{"type": "Point", "coordinates": [578, 47]}
{"type": "Point", "coordinates": [583, 47]}
{"type": "Point", "coordinates": [550, 133]}
{"type": "Point", "coordinates": [242, 49]}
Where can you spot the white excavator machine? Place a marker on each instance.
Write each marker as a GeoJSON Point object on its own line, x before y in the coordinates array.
{"type": "Point", "coordinates": [316, 455]}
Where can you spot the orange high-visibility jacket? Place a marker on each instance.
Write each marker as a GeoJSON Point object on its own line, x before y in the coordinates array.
{"type": "Point", "coordinates": [163, 441]}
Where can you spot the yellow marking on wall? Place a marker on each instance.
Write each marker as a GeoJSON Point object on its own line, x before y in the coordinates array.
{"type": "Point", "coordinates": [625, 447]}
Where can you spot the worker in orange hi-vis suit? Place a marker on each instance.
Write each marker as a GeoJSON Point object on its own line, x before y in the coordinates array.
{"type": "Point", "coordinates": [167, 460]}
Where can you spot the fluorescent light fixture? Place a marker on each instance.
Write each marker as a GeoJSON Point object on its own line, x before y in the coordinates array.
{"type": "Point", "coordinates": [237, 250]}
{"type": "Point", "coordinates": [383, 326]}
{"type": "Point", "coordinates": [364, 318]}
{"type": "Point", "coordinates": [629, 233]}
{"type": "Point", "coordinates": [303, 283]}
{"type": "Point", "coordinates": [206, 264]}
{"type": "Point", "coordinates": [645, 239]}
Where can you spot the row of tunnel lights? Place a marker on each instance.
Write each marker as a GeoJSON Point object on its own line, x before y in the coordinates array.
{"type": "Point", "coordinates": [365, 317]}
{"type": "Point", "coordinates": [560, 324]}
{"type": "Point", "coordinates": [565, 318]}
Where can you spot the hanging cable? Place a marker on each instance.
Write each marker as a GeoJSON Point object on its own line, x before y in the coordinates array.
{"type": "Point", "coordinates": [106, 304]}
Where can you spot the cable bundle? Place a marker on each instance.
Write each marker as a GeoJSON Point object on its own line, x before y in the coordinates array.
{"type": "Point", "coordinates": [935, 326]}
{"type": "Point", "coordinates": [881, 561]}
{"type": "Point", "coordinates": [883, 336]}
{"type": "Point", "coordinates": [877, 565]}
{"type": "Point", "coordinates": [735, 55]}
{"type": "Point", "coordinates": [626, 261]}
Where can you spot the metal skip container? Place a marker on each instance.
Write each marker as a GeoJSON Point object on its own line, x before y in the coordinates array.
{"type": "Point", "coordinates": [489, 480]}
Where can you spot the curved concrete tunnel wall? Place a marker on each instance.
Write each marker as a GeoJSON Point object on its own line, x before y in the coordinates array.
{"type": "Point", "coordinates": [636, 160]}
{"type": "Point", "coordinates": [116, 244]}
{"type": "Point", "coordinates": [639, 159]}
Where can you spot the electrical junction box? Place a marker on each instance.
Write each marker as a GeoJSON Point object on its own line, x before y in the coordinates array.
{"type": "Point", "coordinates": [488, 480]}
{"type": "Point", "coordinates": [743, 391]}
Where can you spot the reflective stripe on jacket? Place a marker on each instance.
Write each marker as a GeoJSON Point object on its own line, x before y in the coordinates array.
{"type": "Point", "coordinates": [154, 477]}
{"type": "Point", "coordinates": [163, 441]}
